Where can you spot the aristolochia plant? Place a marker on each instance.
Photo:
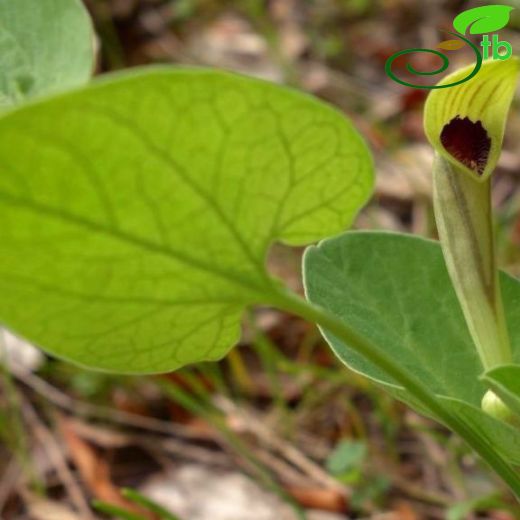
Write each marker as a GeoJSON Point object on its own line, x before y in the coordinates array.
{"type": "Point", "coordinates": [466, 127]}
{"type": "Point", "coordinates": [136, 212]}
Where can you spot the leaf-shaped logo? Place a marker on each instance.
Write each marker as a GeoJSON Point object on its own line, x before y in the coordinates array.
{"type": "Point", "coordinates": [451, 45]}
{"type": "Point", "coordinates": [485, 19]}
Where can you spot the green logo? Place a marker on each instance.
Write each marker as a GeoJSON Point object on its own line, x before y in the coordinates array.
{"type": "Point", "coordinates": [480, 20]}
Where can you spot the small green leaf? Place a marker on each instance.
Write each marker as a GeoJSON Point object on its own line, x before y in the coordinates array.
{"type": "Point", "coordinates": [394, 291]}
{"type": "Point", "coordinates": [465, 123]}
{"type": "Point", "coordinates": [485, 19]}
{"type": "Point", "coordinates": [136, 214]}
{"type": "Point", "coordinates": [348, 455]}
{"type": "Point", "coordinates": [46, 46]}
{"type": "Point", "coordinates": [505, 382]}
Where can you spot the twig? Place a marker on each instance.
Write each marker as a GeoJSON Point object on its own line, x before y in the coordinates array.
{"type": "Point", "coordinates": [255, 427]}
{"type": "Point", "coordinates": [286, 473]}
{"type": "Point", "coordinates": [108, 438]}
{"type": "Point", "coordinates": [77, 407]}
{"type": "Point", "coordinates": [58, 459]}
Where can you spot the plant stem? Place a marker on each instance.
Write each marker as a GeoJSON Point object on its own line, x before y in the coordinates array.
{"type": "Point", "coordinates": [463, 213]}
{"type": "Point", "coordinates": [290, 302]}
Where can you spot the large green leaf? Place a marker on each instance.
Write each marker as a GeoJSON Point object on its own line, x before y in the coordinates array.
{"type": "Point", "coordinates": [394, 291]}
{"type": "Point", "coordinates": [135, 214]}
{"type": "Point", "coordinates": [45, 46]}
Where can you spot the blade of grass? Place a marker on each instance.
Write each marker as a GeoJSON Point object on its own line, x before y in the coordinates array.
{"type": "Point", "coordinates": [115, 511]}
{"type": "Point", "coordinates": [145, 502]}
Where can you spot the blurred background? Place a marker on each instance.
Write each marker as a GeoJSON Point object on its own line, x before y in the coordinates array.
{"type": "Point", "coordinates": [278, 430]}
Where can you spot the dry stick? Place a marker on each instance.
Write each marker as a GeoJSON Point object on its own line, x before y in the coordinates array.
{"type": "Point", "coordinates": [293, 455]}
{"type": "Point", "coordinates": [286, 473]}
{"type": "Point", "coordinates": [417, 492]}
{"type": "Point", "coordinates": [58, 459]}
{"type": "Point", "coordinates": [65, 402]}
{"type": "Point", "coordinates": [61, 400]}
{"type": "Point", "coordinates": [77, 407]}
{"type": "Point", "coordinates": [108, 438]}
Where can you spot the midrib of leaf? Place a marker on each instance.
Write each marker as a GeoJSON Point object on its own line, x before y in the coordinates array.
{"type": "Point", "coordinates": [259, 289]}
{"type": "Point", "coordinates": [117, 299]}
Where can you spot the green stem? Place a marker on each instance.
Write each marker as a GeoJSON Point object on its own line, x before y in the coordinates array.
{"type": "Point", "coordinates": [292, 303]}
{"type": "Point", "coordinates": [463, 213]}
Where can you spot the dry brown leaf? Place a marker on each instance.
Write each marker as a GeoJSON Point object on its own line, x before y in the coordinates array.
{"type": "Point", "coordinates": [94, 471]}
{"type": "Point", "coordinates": [319, 498]}
{"type": "Point", "coordinates": [404, 511]}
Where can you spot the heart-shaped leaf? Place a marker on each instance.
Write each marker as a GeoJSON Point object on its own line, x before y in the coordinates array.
{"type": "Point", "coordinates": [484, 19]}
{"type": "Point", "coordinates": [394, 291]}
{"type": "Point", "coordinates": [45, 46]}
{"type": "Point", "coordinates": [135, 214]}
